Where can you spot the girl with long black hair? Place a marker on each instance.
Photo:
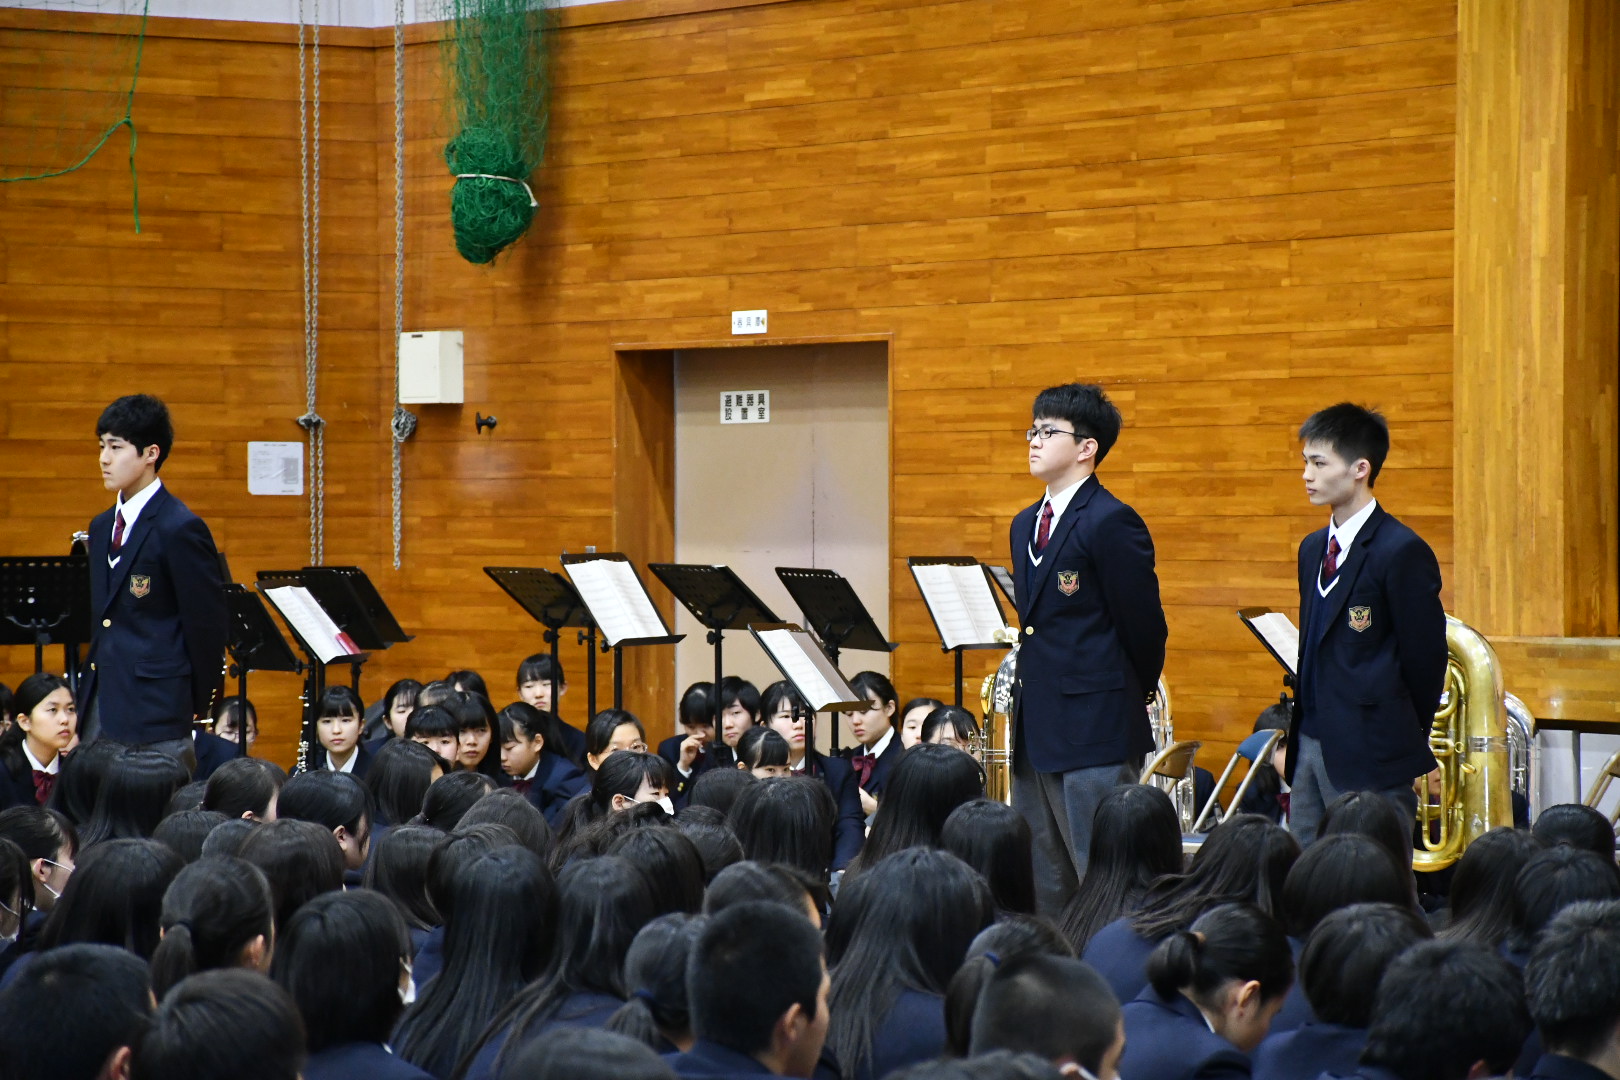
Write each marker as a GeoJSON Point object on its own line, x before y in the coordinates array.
{"type": "Point", "coordinates": [1135, 840]}
{"type": "Point", "coordinates": [782, 709]}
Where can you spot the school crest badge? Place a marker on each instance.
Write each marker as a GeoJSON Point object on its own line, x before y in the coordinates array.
{"type": "Point", "coordinates": [1068, 582]}
{"type": "Point", "coordinates": [1360, 618]}
{"type": "Point", "coordinates": [139, 585]}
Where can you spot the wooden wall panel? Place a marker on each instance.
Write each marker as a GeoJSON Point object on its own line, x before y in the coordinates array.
{"type": "Point", "coordinates": [1231, 212]}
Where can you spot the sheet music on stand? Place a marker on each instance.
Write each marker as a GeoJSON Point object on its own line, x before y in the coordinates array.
{"type": "Point", "coordinates": [960, 600]}
{"type": "Point", "coordinates": [1276, 632]}
{"type": "Point", "coordinates": [801, 660]}
{"type": "Point", "coordinates": [311, 623]}
{"type": "Point", "coordinates": [615, 598]}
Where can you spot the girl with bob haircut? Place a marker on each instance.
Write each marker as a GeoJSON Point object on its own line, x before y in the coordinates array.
{"type": "Point", "coordinates": [233, 715]}
{"type": "Point", "coordinates": [764, 753]}
{"type": "Point", "coordinates": [477, 748]}
{"type": "Point", "coordinates": [609, 732]}
{"type": "Point", "coordinates": [435, 727]}
{"type": "Point", "coordinates": [44, 722]}
{"type": "Point", "coordinates": [929, 783]}
{"type": "Point", "coordinates": [912, 715]}
{"type": "Point", "coordinates": [217, 913]}
{"type": "Point", "coordinates": [783, 709]}
{"type": "Point", "coordinates": [951, 725]}
{"type": "Point", "coordinates": [332, 801]}
{"type": "Point", "coordinates": [343, 960]}
{"type": "Point", "coordinates": [245, 788]}
{"type": "Point", "coordinates": [994, 839]}
{"type": "Point", "coordinates": [333, 740]}
{"type": "Point", "coordinates": [625, 778]}
{"type": "Point", "coordinates": [1135, 840]}
{"type": "Point", "coordinates": [134, 796]}
{"type": "Point", "coordinates": [398, 701]}
{"type": "Point", "coordinates": [402, 770]}
{"type": "Point", "coordinates": [1213, 989]}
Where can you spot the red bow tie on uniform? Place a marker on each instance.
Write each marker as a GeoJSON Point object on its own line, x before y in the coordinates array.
{"type": "Point", "coordinates": [43, 783]}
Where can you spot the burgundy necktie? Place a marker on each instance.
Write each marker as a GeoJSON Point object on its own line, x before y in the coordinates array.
{"type": "Point", "coordinates": [1045, 532]}
{"type": "Point", "coordinates": [864, 763]}
{"type": "Point", "coordinates": [43, 783]}
{"type": "Point", "coordinates": [118, 534]}
{"type": "Point", "coordinates": [522, 786]}
{"type": "Point", "coordinates": [1330, 565]}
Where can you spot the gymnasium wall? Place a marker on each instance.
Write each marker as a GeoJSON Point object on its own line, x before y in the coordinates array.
{"type": "Point", "coordinates": [1230, 212]}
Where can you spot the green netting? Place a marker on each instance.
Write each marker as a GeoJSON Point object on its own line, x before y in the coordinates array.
{"type": "Point", "coordinates": [58, 107]}
{"type": "Point", "coordinates": [495, 58]}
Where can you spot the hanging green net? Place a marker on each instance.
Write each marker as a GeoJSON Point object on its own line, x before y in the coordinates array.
{"type": "Point", "coordinates": [495, 57]}
{"type": "Point", "coordinates": [61, 103]}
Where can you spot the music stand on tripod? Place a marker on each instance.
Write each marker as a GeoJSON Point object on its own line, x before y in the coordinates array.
{"type": "Point", "coordinates": [45, 600]}
{"type": "Point", "coordinates": [719, 601]}
{"type": "Point", "coordinates": [553, 602]}
{"type": "Point", "coordinates": [254, 644]}
{"type": "Point", "coordinates": [834, 613]}
{"type": "Point", "coordinates": [618, 602]}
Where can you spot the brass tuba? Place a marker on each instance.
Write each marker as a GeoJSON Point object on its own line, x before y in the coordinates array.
{"type": "Point", "coordinates": [1469, 739]}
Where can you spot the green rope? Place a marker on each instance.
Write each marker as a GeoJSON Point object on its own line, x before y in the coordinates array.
{"type": "Point", "coordinates": [127, 120]}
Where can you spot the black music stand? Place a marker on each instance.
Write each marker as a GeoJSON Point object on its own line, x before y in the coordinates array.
{"type": "Point", "coordinates": [1290, 677]}
{"type": "Point", "coordinates": [347, 595]}
{"type": "Point", "coordinates": [618, 644]}
{"type": "Point", "coordinates": [719, 600]}
{"type": "Point", "coordinates": [843, 699]}
{"type": "Point", "coordinates": [314, 667]}
{"type": "Point", "coordinates": [254, 644]}
{"type": "Point", "coordinates": [45, 600]}
{"type": "Point", "coordinates": [553, 602]}
{"type": "Point", "coordinates": [1003, 577]}
{"type": "Point", "coordinates": [834, 613]}
{"type": "Point", "coordinates": [957, 650]}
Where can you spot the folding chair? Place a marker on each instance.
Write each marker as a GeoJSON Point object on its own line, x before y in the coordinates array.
{"type": "Point", "coordinates": [1171, 770]}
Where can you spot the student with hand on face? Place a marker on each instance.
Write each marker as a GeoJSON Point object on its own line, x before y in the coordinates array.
{"type": "Point", "coordinates": [739, 711]}
{"type": "Point", "coordinates": [877, 734]}
{"type": "Point", "coordinates": [546, 779]}
{"type": "Point", "coordinates": [43, 725]}
{"type": "Point", "coordinates": [689, 752]}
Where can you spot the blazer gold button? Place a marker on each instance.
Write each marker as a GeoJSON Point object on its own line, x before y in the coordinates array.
{"type": "Point", "coordinates": [92, 667]}
{"type": "Point", "coordinates": [106, 622]}
{"type": "Point", "coordinates": [1029, 631]}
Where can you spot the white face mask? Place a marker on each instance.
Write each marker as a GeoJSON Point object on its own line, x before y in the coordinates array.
{"type": "Point", "coordinates": [668, 805]}
{"type": "Point", "coordinates": [407, 993]}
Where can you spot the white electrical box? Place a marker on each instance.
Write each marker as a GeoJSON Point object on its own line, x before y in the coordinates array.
{"type": "Point", "coordinates": [430, 368]}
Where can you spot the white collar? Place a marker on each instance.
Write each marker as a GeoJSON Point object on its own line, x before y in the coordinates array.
{"type": "Point", "coordinates": [530, 774]}
{"type": "Point", "coordinates": [882, 744]}
{"type": "Point", "coordinates": [347, 766]}
{"type": "Point", "coordinates": [1060, 500]}
{"type": "Point", "coordinates": [33, 762]}
{"type": "Point", "coordinates": [132, 509]}
{"type": "Point", "coordinates": [1347, 533]}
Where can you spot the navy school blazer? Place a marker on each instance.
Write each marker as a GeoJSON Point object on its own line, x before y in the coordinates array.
{"type": "Point", "coordinates": [882, 767]}
{"type": "Point", "coordinates": [360, 1061]}
{"type": "Point", "coordinates": [1093, 634]}
{"type": "Point", "coordinates": [849, 827]}
{"type": "Point", "coordinates": [1167, 1039]}
{"type": "Point", "coordinates": [556, 780]}
{"type": "Point", "coordinates": [1309, 1051]}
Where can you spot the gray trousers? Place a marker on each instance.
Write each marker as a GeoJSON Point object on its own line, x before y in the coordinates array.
{"type": "Point", "coordinates": [1059, 808]}
{"type": "Point", "coordinates": [1312, 793]}
{"type": "Point", "coordinates": [183, 750]}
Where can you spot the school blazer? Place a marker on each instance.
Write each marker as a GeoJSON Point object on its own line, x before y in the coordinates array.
{"type": "Point", "coordinates": [881, 768]}
{"type": "Point", "coordinates": [1372, 656]}
{"type": "Point", "coordinates": [1092, 634]}
{"type": "Point", "coordinates": [360, 1061]}
{"type": "Point", "coordinates": [556, 780]}
{"type": "Point", "coordinates": [711, 1061]}
{"type": "Point", "coordinates": [1167, 1039]}
{"type": "Point", "coordinates": [212, 752]}
{"type": "Point", "coordinates": [849, 827]}
{"type": "Point", "coordinates": [157, 638]}
{"type": "Point", "coordinates": [1309, 1051]}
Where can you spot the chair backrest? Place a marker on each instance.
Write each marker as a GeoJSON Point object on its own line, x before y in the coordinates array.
{"type": "Point", "coordinates": [1256, 750]}
{"type": "Point", "coordinates": [1175, 762]}
{"type": "Point", "coordinates": [1600, 786]}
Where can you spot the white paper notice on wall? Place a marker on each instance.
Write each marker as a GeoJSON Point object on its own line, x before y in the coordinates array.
{"type": "Point", "coordinates": [745, 407]}
{"type": "Point", "coordinates": [275, 468]}
{"type": "Point", "coordinates": [756, 321]}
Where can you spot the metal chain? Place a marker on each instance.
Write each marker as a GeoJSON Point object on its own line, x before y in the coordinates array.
{"type": "Point", "coordinates": [309, 161]}
{"type": "Point", "coordinates": [404, 421]}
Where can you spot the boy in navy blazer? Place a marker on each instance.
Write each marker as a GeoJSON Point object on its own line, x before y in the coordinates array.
{"type": "Point", "coordinates": [1093, 636]}
{"type": "Point", "coordinates": [157, 599]}
{"type": "Point", "coordinates": [1372, 631]}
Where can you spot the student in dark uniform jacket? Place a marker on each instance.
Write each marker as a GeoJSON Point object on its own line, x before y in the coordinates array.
{"type": "Point", "coordinates": [782, 709]}
{"type": "Point", "coordinates": [76, 1013]}
{"type": "Point", "coordinates": [212, 752]}
{"type": "Point", "coordinates": [877, 736]}
{"type": "Point", "coordinates": [1572, 986]}
{"type": "Point", "coordinates": [332, 741]}
{"type": "Point", "coordinates": [31, 749]}
{"type": "Point", "coordinates": [691, 751]}
{"type": "Point", "coordinates": [534, 679]}
{"type": "Point", "coordinates": [1212, 991]}
{"type": "Point", "coordinates": [548, 780]}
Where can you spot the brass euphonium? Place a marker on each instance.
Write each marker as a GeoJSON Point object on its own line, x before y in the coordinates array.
{"type": "Point", "coordinates": [996, 697]}
{"type": "Point", "coordinates": [1469, 739]}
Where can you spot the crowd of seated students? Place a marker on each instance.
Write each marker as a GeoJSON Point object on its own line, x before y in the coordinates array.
{"type": "Point", "coordinates": [453, 891]}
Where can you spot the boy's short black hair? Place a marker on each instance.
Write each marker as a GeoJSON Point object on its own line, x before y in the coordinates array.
{"type": "Point", "coordinates": [1572, 982]}
{"type": "Point", "coordinates": [1053, 1006]}
{"type": "Point", "coordinates": [140, 420]}
{"type": "Point", "coordinates": [70, 1009]}
{"type": "Point", "coordinates": [228, 1022]}
{"type": "Point", "coordinates": [1087, 411]}
{"type": "Point", "coordinates": [1443, 1005]}
{"type": "Point", "coordinates": [1354, 432]}
{"type": "Point", "coordinates": [752, 962]}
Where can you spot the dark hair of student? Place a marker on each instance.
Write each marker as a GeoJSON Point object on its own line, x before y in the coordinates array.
{"type": "Point", "coordinates": [1572, 982]}
{"type": "Point", "coordinates": [1135, 840]}
{"type": "Point", "coordinates": [30, 692]}
{"type": "Point", "coordinates": [336, 700]}
{"type": "Point", "coordinates": [473, 712]}
{"type": "Point", "coordinates": [657, 1012]}
{"type": "Point", "coordinates": [1369, 814]}
{"type": "Point", "coordinates": [229, 711]}
{"type": "Point", "coordinates": [1014, 936]}
{"type": "Point", "coordinates": [300, 859]}
{"type": "Point", "coordinates": [719, 788]}
{"type": "Point", "coordinates": [696, 705]}
{"type": "Point", "coordinates": [40, 833]}
{"type": "Point", "coordinates": [188, 797]}
{"type": "Point", "coordinates": [1348, 953]}
{"type": "Point", "coordinates": [735, 690]}
{"type": "Point", "coordinates": [451, 796]}
{"type": "Point", "coordinates": [1353, 432]}
{"type": "Point", "coordinates": [212, 911]}
{"type": "Point", "coordinates": [748, 882]}
{"type": "Point", "coordinates": [919, 703]}
{"type": "Point", "coordinates": [927, 783]}
{"type": "Point", "coordinates": [140, 420]}
{"type": "Point", "coordinates": [497, 938]}
{"type": "Point", "coordinates": [1245, 859]}
{"type": "Point", "coordinates": [244, 786]}
{"type": "Point", "coordinates": [1267, 785]}
{"type": "Point", "coordinates": [1577, 825]}
{"type": "Point", "coordinates": [503, 806]}
{"type": "Point", "coordinates": [958, 719]}
{"type": "Point", "coordinates": [1056, 1007]}
{"type": "Point", "coordinates": [716, 841]}
{"type": "Point", "coordinates": [538, 668]}
{"type": "Point", "coordinates": [115, 897]}
{"type": "Point", "coordinates": [133, 796]}
{"type": "Point", "coordinates": [227, 837]}
{"type": "Point", "coordinates": [339, 958]}
{"type": "Point", "coordinates": [431, 721]}
{"type": "Point", "coordinates": [433, 693]}
{"type": "Point", "coordinates": [223, 1023]}
{"type": "Point", "coordinates": [1232, 942]}
{"type": "Point", "coordinates": [16, 882]}
{"type": "Point", "coordinates": [599, 732]}
{"type": "Point", "coordinates": [595, 838]}
{"type": "Point", "coordinates": [671, 864]}
{"type": "Point", "coordinates": [1338, 871]}
{"type": "Point", "coordinates": [468, 681]}
{"type": "Point", "coordinates": [751, 963]}
{"type": "Point", "coordinates": [69, 1010]}
{"type": "Point", "coordinates": [455, 852]}
{"type": "Point", "coordinates": [761, 746]}
{"type": "Point", "coordinates": [401, 771]}
{"type": "Point", "coordinates": [398, 869]}
{"type": "Point", "coordinates": [401, 690]}
{"type": "Point", "coordinates": [994, 839]}
{"type": "Point", "coordinates": [602, 904]}
{"type": "Point", "coordinates": [622, 773]}
{"type": "Point", "coordinates": [1553, 880]}
{"type": "Point", "coordinates": [1087, 411]}
{"type": "Point", "coordinates": [774, 697]}
{"type": "Point", "coordinates": [905, 924]}
{"type": "Point", "coordinates": [522, 721]}
{"type": "Point", "coordinates": [331, 800]}
{"type": "Point", "coordinates": [996, 1065]}
{"type": "Point", "coordinates": [576, 1053]}
{"type": "Point", "coordinates": [79, 781]}
{"type": "Point", "coordinates": [870, 684]}
{"type": "Point", "coordinates": [787, 819]}
{"type": "Point", "coordinates": [1481, 898]}
{"type": "Point", "coordinates": [8, 702]}
{"type": "Point", "coordinates": [1441, 1007]}
{"type": "Point", "coordinates": [184, 832]}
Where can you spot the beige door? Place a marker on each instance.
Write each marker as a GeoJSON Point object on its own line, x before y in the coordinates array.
{"type": "Point", "coordinates": [808, 488]}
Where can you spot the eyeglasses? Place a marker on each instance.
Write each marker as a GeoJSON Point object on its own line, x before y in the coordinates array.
{"type": "Point", "coordinates": [1041, 434]}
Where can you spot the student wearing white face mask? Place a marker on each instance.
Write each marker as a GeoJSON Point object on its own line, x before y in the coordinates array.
{"type": "Point", "coordinates": [623, 779]}
{"type": "Point", "coordinates": [48, 844]}
{"type": "Point", "coordinates": [16, 892]}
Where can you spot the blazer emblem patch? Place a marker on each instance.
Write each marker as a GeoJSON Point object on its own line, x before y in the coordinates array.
{"type": "Point", "coordinates": [139, 585]}
{"type": "Point", "coordinates": [1068, 582]}
{"type": "Point", "coordinates": [1360, 618]}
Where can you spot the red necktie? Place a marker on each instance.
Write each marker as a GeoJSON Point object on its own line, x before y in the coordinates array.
{"type": "Point", "coordinates": [864, 763]}
{"type": "Point", "coordinates": [522, 786]}
{"type": "Point", "coordinates": [118, 534]}
{"type": "Point", "coordinates": [1045, 532]}
{"type": "Point", "coordinates": [1330, 565]}
{"type": "Point", "coordinates": [43, 783]}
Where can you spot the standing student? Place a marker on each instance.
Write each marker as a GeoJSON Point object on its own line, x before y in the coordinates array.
{"type": "Point", "coordinates": [1093, 637]}
{"type": "Point", "coordinates": [31, 749]}
{"type": "Point", "coordinates": [1372, 642]}
{"type": "Point", "coordinates": [157, 635]}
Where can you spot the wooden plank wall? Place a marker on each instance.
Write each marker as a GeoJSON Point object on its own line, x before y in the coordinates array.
{"type": "Point", "coordinates": [1230, 212]}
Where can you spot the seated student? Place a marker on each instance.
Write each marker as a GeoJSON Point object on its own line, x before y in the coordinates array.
{"type": "Point", "coordinates": [44, 723]}
{"type": "Point", "coordinates": [1341, 966]}
{"type": "Point", "coordinates": [1445, 1010]}
{"type": "Point", "coordinates": [223, 1023]}
{"type": "Point", "coordinates": [1572, 986]}
{"type": "Point", "coordinates": [300, 859]}
{"type": "Point", "coordinates": [245, 788]}
{"type": "Point", "coordinates": [343, 959]}
{"type": "Point", "coordinates": [211, 752]}
{"type": "Point", "coordinates": [16, 892]}
{"type": "Point", "coordinates": [669, 862]}
{"type": "Point", "coordinates": [689, 751]}
{"type": "Point", "coordinates": [546, 779]}
{"type": "Point", "coordinates": [333, 741]}
{"type": "Point", "coordinates": [335, 802]}
{"type": "Point", "coordinates": [764, 753]}
{"type": "Point", "coordinates": [234, 715]}
{"type": "Point", "coordinates": [1369, 814]}
{"type": "Point", "coordinates": [1481, 897]}
{"type": "Point", "coordinates": [217, 913]}
{"type": "Point", "coordinates": [658, 1012]}
{"type": "Point", "coordinates": [450, 856]}
{"type": "Point", "coordinates": [1054, 1007]}
{"type": "Point", "coordinates": [784, 710]}
{"type": "Point", "coordinates": [950, 725]}
{"type": "Point", "coordinates": [184, 832]}
{"type": "Point", "coordinates": [534, 679]}
{"type": "Point", "coordinates": [468, 681]}
{"type": "Point", "coordinates": [745, 882]}
{"type": "Point", "coordinates": [1577, 826]}
{"type": "Point", "coordinates": [739, 711]}
{"type": "Point", "coordinates": [450, 797]}
{"type": "Point", "coordinates": [76, 1013]}
{"type": "Point", "coordinates": [1267, 791]}
{"type": "Point", "coordinates": [912, 715]}
{"type": "Point", "coordinates": [717, 789]}
{"type": "Point", "coordinates": [133, 797]}
{"type": "Point", "coordinates": [48, 845]}
{"type": "Point", "coordinates": [1549, 883]}
{"type": "Point", "coordinates": [398, 871]}
{"type": "Point", "coordinates": [609, 732]}
{"type": "Point", "coordinates": [401, 772]}
{"type": "Point", "coordinates": [586, 1054]}
{"type": "Point", "coordinates": [397, 702]}
{"type": "Point", "coordinates": [716, 841]}
{"type": "Point", "coordinates": [503, 806]}
{"type": "Point", "coordinates": [79, 783]}
{"type": "Point", "coordinates": [994, 839]}
{"type": "Point", "coordinates": [1135, 840]}
{"type": "Point", "coordinates": [788, 820]}
{"type": "Point", "coordinates": [7, 707]}
{"type": "Point", "coordinates": [877, 736]}
{"type": "Point", "coordinates": [758, 990]}
{"type": "Point", "coordinates": [477, 748]}
{"type": "Point", "coordinates": [436, 728]}
{"type": "Point", "coordinates": [1212, 991]}
{"type": "Point", "coordinates": [929, 783]}
{"type": "Point", "coordinates": [115, 897]}
{"type": "Point", "coordinates": [1014, 937]}
{"type": "Point", "coordinates": [625, 779]}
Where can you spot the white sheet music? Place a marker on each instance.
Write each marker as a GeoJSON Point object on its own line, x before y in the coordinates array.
{"type": "Point", "coordinates": [614, 596]}
{"type": "Point", "coordinates": [807, 668]}
{"type": "Point", "coordinates": [961, 602]}
{"type": "Point", "coordinates": [311, 622]}
{"type": "Point", "coordinates": [1281, 634]}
